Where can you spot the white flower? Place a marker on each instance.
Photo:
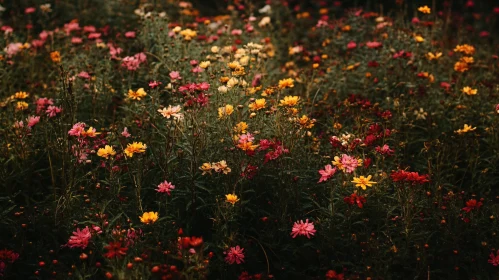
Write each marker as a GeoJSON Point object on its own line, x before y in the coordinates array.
{"type": "Point", "coordinates": [265, 10]}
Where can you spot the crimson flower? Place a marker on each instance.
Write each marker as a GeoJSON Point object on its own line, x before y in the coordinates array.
{"type": "Point", "coordinates": [114, 250]}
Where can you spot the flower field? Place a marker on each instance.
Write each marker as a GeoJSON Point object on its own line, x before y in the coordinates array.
{"type": "Point", "coordinates": [249, 140]}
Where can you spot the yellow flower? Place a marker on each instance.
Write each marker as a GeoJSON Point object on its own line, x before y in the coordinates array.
{"type": "Point", "coordinates": [469, 91]}
{"type": "Point", "coordinates": [419, 39]}
{"type": "Point", "coordinates": [134, 148]}
{"type": "Point", "coordinates": [206, 168]}
{"type": "Point", "coordinates": [286, 83]}
{"type": "Point", "coordinates": [466, 128]}
{"type": "Point", "coordinates": [306, 122]}
{"type": "Point", "coordinates": [257, 105]}
{"type": "Point", "coordinates": [20, 95]}
{"type": "Point", "coordinates": [106, 152]}
{"type": "Point", "coordinates": [233, 65]}
{"type": "Point", "coordinates": [247, 146]}
{"type": "Point", "coordinates": [204, 64]}
{"type": "Point", "coordinates": [91, 132]}
{"type": "Point", "coordinates": [433, 56]}
{"type": "Point", "coordinates": [137, 95]}
{"type": "Point", "coordinates": [425, 9]}
{"type": "Point", "coordinates": [290, 101]}
{"type": "Point", "coordinates": [21, 106]}
{"type": "Point", "coordinates": [467, 49]}
{"type": "Point", "coordinates": [337, 162]}
{"type": "Point", "coordinates": [188, 34]}
{"type": "Point", "coordinates": [231, 198]}
{"type": "Point", "coordinates": [55, 56]}
{"type": "Point", "coordinates": [149, 217]}
{"type": "Point", "coordinates": [363, 182]}
{"type": "Point", "coordinates": [225, 111]}
{"type": "Point", "coordinates": [241, 128]}
{"type": "Point", "coordinates": [221, 166]}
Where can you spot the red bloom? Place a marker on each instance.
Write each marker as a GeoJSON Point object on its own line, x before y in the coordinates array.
{"type": "Point", "coordinates": [472, 204]}
{"type": "Point", "coordinates": [114, 250]}
{"type": "Point", "coordinates": [413, 177]}
{"type": "Point", "coordinates": [331, 274]}
{"type": "Point", "coordinates": [494, 260]}
{"type": "Point", "coordinates": [355, 199]}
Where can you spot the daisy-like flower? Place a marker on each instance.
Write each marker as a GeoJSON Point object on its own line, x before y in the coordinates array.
{"type": "Point", "coordinates": [290, 101]}
{"type": "Point", "coordinates": [241, 127]}
{"type": "Point", "coordinates": [221, 166]}
{"type": "Point", "coordinates": [106, 152]}
{"type": "Point", "coordinates": [20, 95]}
{"type": "Point", "coordinates": [234, 255]}
{"type": "Point", "coordinates": [206, 168]}
{"type": "Point", "coordinates": [303, 228]}
{"type": "Point", "coordinates": [286, 83]}
{"type": "Point", "coordinates": [225, 111]}
{"type": "Point", "coordinates": [80, 238]}
{"type": "Point", "coordinates": [149, 217]}
{"type": "Point", "coordinates": [327, 173]}
{"type": "Point", "coordinates": [114, 250]}
{"type": "Point", "coordinates": [469, 91]}
{"type": "Point", "coordinates": [346, 163]}
{"type": "Point", "coordinates": [421, 114]}
{"type": "Point", "coordinates": [419, 39]}
{"type": "Point", "coordinates": [21, 106]}
{"type": "Point", "coordinates": [363, 182]}
{"type": "Point", "coordinates": [171, 112]}
{"type": "Point", "coordinates": [91, 132]}
{"type": "Point", "coordinates": [257, 104]}
{"type": "Point", "coordinates": [424, 9]}
{"type": "Point", "coordinates": [137, 95]}
{"type": "Point", "coordinates": [231, 198]}
{"type": "Point", "coordinates": [465, 48]}
{"type": "Point", "coordinates": [165, 187]}
{"type": "Point", "coordinates": [466, 128]}
{"type": "Point", "coordinates": [134, 148]}
{"type": "Point", "coordinates": [433, 56]}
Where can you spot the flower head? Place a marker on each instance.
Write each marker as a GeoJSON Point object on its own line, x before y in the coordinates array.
{"type": "Point", "coordinates": [137, 95]}
{"type": "Point", "coordinates": [363, 182]}
{"type": "Point", "coordinates": [303, 228]}
{"type": "Point", "coordinates": [165, 187]}
{"type": "Point", "coordinates": [424, 9]}
{"type": "Point", "coordinates": [80, 238]}
{"type": "Point", "coordinates": [134, 148]}
{"type": "Point", "coordinates": [106, 152]}
{"type": "Point", "coordinates": [327, 173]}
{"type": "Point", "coordinates": [465, 129]}
{"type": "Point", "coordinates": [231, 198]}
{"type": "Point", "coordinates": [149, 217]}
{"type": "Point", "coordinates": [225, 111]}
{"type": "Point", "coordinates": [171, 112]}
{"type": "Point", "coordinates": [469, 91]}
{"type": "Point", "coordinates": [234, 255]}
{"type": "Point", "coordinates": [290, 101]}
{"type": "Point", "coordinates": [286, 83]}
{"type": "Point", "coordinates": [257, 104]}
{"type": "Point", "coordinates": [114, 250]}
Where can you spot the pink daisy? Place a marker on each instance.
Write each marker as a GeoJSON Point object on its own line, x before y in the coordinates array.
{"type": "Point", "coordinates": [327, 173]}
{"type": "Point", "coordinates": [303, 228]}
{"type": "Point", "coordinates": [165, 187]}
{"type": "Point", "coordinates": [234, 255]}
{"type": "Point", "coordinates": [80, 238]}
{"type": "Point", "coordinates": [349, 163]}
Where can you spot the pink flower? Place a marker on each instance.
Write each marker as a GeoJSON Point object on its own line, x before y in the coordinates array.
{"type": "Point", "coordinates": [114, 51]}
{"type": "Point", "coordinates": [29, 10]}
{"type": "Point", "coordinates": [256, 80]}
{"type": "Point", "coordinates": [193, 62]}
{"type": "Point", "coordinates": [245, 138]}
{"type": "Point", "coordinates": [154, 84]}
{"type": "Point", "coordinates": [234, 255]}
{"type": "Point", "coordinates": [125, 133]}
{"type": "Point", "coordinates": [236, 32]}
{"type": "Point", "coordinates": [37, 43]}
{"type": "Point", "coordinates": [89, 29]}
{"type": "Point", "coordinates": [80, 238]}
{"type": "Point", "coordinates": [130, 34]}
{"type": "Point", "coordinates": [94, 35]}
{"type": "Point", "coordinates": [197, 69]}
{"type": "Point", "coordinates": [385, 150]}
{"type": "Point", "coordinates": [349, 163]}
{"type": "Point", "coordinates": [165, 187]}
{"type": "Point", "coordinates": [52, 111]}
{"type": "Point", "coordinates": [303, 228]}
{"type": "Point", "coordinates": [41, 103]}
{"type": "Point", "coordinates": [77, 129]}
{"type": "Point", "coordinates": [33, 120]}
{"type": "Point", "coordinates": [415, 20]}
{"type": "Point", "coordinates": [13, 48]}
{"type": "Point", "coordinates": [494, 260]}
{"type": "Point", "coordinates": [44, 35]}
{"type": "Point", "coordinates": [327, 173]}
{"type": "Point", "coordinates": [84, 75]}
{"type": "Point", "coordinates": [497, 108]}
{"type": "Point", "coordinates": [351, 45]}
{"type": "Point", "coordinates": [72, 26]}
{"type": "Point", "coordinates": [174, 75]}
{"type": "Point", "coordinates": [373, 45]}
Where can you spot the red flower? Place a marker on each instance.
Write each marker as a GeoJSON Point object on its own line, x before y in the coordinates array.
{"type": "Point", "coordinates": [355, 199]}
{"type": "Point", "coordinates": [114, 250]}
{"type": "Point", "coordinates": [472, 204]}
{"type": "Point", "coordinates": [331, 274]}
{"type": "Point", "coordinates": [413, 177]}
{"type": "Point", "coordinates": [494, 260]}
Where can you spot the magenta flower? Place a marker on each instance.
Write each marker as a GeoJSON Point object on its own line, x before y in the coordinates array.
{"type": "Point", "coordinates": [77, 129]}
{"type": "Point", "coordinates": [80, 238]}
{"type": "Point", "coordinates": [327, 173]}
{"type": "Point", "coordinates": [175, 75]}
{"type": "Point", "coordinates": [234, 255]}
{"type": "Point", "coordinates": [125, 133]}
{"type": "Point", "coordinates": [494, 260]}
{"type": "Point", "coordinates": [33, 120]}
{"type": "Point", "coordinates": [303, 228]}
{"type": "Point", "coordinates": [52, 111]}
{"type": "Point", "coordinates": [165, 187]}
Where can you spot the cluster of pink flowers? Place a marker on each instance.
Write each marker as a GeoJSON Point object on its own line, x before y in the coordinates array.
{"type": "Point", "coordinates": [165, 187]}
{"type": "Point", "coordinates": [303, 228]}
{"type": "Point", "coordinates": [132, 63]}
{"type": "Point", "coordinates": [191, 87]}
{"type": "Point", "coordinates": [234, 255]}
{"type": "Point", "coordinates": [114, 51]}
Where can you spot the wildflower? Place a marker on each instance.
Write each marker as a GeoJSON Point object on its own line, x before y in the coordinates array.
{"type": "Point", "coordinates": [241, 127]}
{"type": "Point", "coordinates": [204, 64]}
{"type": "Point", "coordinates": [91, 132]}
{"type": "Point", "coordinates": [385, 150]}
{"type": "Point", "coordinates": [286, 83]}
{"type": "Point", "coordinates": [33, 120]}
{"type": "Point", "coordinates": [77, 129]}
{"type": "Point", "coordinates": [149, 217]}
{"type": "Point", "coordinates": [305, 122]}
{"type": "Point", "coordinates": [290, 101]}
{"type": "Point", "coordinates": [433, 56]}
{"type": "Point", "coordinates": [327, 173]}
{"type": "Point", "coordinates": [227, 110]}
{"type": "Point", "coordinates": [206, 168]}
{"type": "Point", "coordinates": [136, 95]}
{"type": "Point", "coordinates": [257, 104]}
{"type": "Point", "coordinates": [461, 66]}
{"type": "Point", "coordinates": [125, 133]}
{"type": "Point", "coordinates": [411, 177]}
{"type": "Point", "coordinates": [234, 255]}
{"type": "Point", "coordinates": [497, 108]}
{"type": "Point", "coordinates": [165, 187]}
{"type": "Point", "coordinates": [303, 228]}
{"type": "Point", "coordinates": [114, 250]}
{"type": "Point", "coordinates": [80, 238]}
{"type": "Point", "coordinates": [221, 166]}
{"type": "Point", "coordinates": [466, 49]}
{"type": "Point", "coordinates": [355, 199]}
{"type": "Point", "coordinates": [134, 148]}
{"type": "Point", "coordinates": [466, 128]}
{"type": "Point", "coordinates": [419, 39]}
{"type": "Point", "coordinates": [467, 59]}
{"type": "Point", "coordinates": [55, 57]}
{"type": "Point", "coordinates": [331, 274]}
{"type": "Point", "coordinates": [231, 198]}
{"type": "Point", "coordinates": [374, 45]}
{"type": "Point", "coordinates": [351, 45]}
{"type": "Point", "coordinates": [363, 182]}
{"type": "Point", "coordinates": [106, 152]}
{"type": "Point", "coordinates": [421, 114]}
{"type": "Point", "coordinates": [171, 112]}
{"type": "Point", "coordinates": [472, 204]}
{"type": "Point", "coordinates": [222, 89]}
{"type": "Point", "coordinates": [494, 260]}
{"type": "Point", "coordinates": [52, 111]}
{"type": "Point", "coordinates": [346, 163]}
{"type": "Point", "coordinates": [20, 95]}
{"type": "Point", "coordinates": [424, 9]}
{"type": "Point", "coordinates": [186, 242]}
{"type": "Point", "coordinates": [21, 106]}
{"type": "Point", "coordinates": [469, 91]}
{"type": "Point", "coordinates": [188, 34]}
{"type": "Point", "coordinates": [174, 75]}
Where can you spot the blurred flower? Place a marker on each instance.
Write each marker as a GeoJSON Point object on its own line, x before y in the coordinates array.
{"type": "Point", "coordinates": [257, 104]}
{"type": "Point", "coordinates": [137, 95]}
{"type": "Point", "coordinates": [355, 199]}
{"type": "Point", "coordinates": [421, 114]}
{"type": "Point", "coordinates": [114, 250]}
{"type": "Point", "coordinates": [419, 39]}
{"type": "Point", "coordinates": [494, 260]}
{"type": "Point", "coordinates": [286, 83]}
{"type": "Point", "coordinates": [433, 56]}
{"type": "Point", "coordinates": [134, 148]}
{"type": "Point", "coordinates": [424, 9]}
{"type": "Point", "coordinates": [55, 56]}
{"type": "Point", "coordinates": [290, 101]}
{"type": "Point", "coordinates": [149, 217]}
{"type": "Point", "coordinates": [52, 111]}
{"type": "Point", "coordinates": [363, 182]}
{"type": "Point", "coordinates": [469, 91]}
{"type": "Point", "coordinates": [125, 133]}
{"type": "Point", "coordinates": [231, 198]}
{"type": "Point", "coordinates": [303, 228]}
{"type": "Point", "coordinates": [467, 49]}
{"type": "Point", "coordinates": [234, 255]}
{"type": "Point", "coordinates": [331, 274]}
{"type": "Point", "coordinates": [225, 111]}
{"type": "Point", "coordinates": [472, 204]}
{"type": "Point", "coordinates": [466, 128]}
